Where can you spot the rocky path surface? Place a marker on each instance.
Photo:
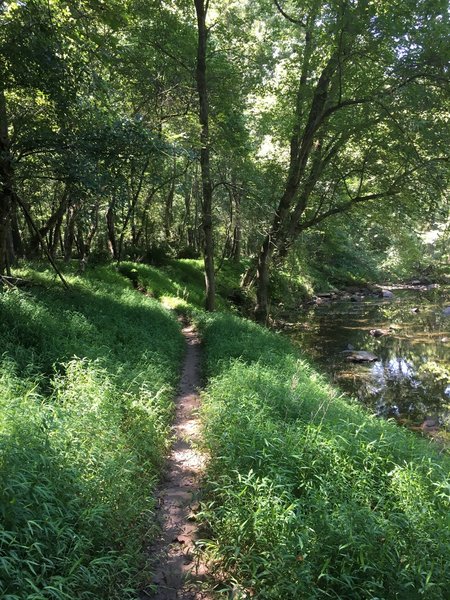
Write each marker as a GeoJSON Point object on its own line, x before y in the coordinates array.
{"type": "Point", "coordinates": [178, 572]}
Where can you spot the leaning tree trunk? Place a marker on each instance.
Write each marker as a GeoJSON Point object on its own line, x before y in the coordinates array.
{"type": "Point", "coordinates": [6, 190]}
{"type": "Point", "coordinates": [201, 8]}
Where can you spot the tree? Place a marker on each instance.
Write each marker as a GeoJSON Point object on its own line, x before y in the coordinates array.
{"type": "Point", "coordinates": [201, 8]}
{"type": "Point", "coordinates": [364, 71]}
{"type": "Point", "coordinates": [6, 189]}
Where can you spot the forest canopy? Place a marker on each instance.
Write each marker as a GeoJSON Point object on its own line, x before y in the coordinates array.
{"type": "Point", "coordinates": [244, 130]}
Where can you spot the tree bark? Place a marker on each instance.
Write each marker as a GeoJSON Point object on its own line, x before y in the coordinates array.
{"type": "Point", "coordinates": [261, 312]}
{"type": "Point", "coordinates": [168, 211]}
{"type": "Point", "coordinates": [112, 241]}
{"type": "Point", "coordinates": [236, 224]}
{"type": "Point", "coordinates": [201, 7]}
{"type": "Point", "coordinates": [69, 233]}
{"type": "Point", "coordinates": [56, 236]}
{"type": "Point", "coordinates": [6, 189]}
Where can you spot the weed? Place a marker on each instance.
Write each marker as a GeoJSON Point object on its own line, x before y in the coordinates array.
{"type": "Point", "coordinates": [308, 495]}
{"type": "Point", "coordinates": [86, 381]}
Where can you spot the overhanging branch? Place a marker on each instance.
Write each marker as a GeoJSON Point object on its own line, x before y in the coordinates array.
{"type": "Point", "coordinates": [288, 17]}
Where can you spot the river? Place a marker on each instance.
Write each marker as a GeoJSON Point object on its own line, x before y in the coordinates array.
{"type": "Point", "coordinates": [410, 379]}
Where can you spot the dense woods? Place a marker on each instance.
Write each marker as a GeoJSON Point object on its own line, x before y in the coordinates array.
{"type": "Point", "coordinates": [225, 159]}
{"type": "Point", "coordinates": [224, 129]}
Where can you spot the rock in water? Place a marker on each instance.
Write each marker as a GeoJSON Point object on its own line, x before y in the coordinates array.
{"type": "Point", "coordinates": [362, 356]}
{"type": "Point", "coordinates": [387, 294]}
{"type": "Point", "coordinates": [379, 332]}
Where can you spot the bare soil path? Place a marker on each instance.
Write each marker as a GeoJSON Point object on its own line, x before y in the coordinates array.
{"type": "Point", "coordinates": [178, 572]}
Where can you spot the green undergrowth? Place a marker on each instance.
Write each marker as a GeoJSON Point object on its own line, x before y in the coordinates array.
{"type": "Point", "coordinates": [182, 282]}
{"type": "Point", "coordinates": [308, 496]}
{"type": "Point", "coordinates": [86, 383]}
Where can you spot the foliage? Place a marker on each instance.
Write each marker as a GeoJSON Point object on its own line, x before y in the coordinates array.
{"type": "Point", "coordinates": [87, 379]}
{"type": "Point", "coordinates": [181, 282]}
{"type": "Point", "coordinates": [308, 495]}
{"type": "Point", "coordinates": [102, 141]}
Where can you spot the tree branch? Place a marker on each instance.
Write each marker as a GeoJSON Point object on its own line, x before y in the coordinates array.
{"type": "Point", "coordinates": [288, 17]}
{"type": "Point", "coordinates": [30, 220]}
{"type": "Point", "coordinates": [345, 207]}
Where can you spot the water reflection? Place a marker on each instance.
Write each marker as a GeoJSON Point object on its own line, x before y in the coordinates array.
{"type": "Point", "coordinates": [411, 378]}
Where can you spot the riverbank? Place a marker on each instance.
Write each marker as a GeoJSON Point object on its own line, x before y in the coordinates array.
{"type": "Point", "coordinates": [405, 339]}
{"type": "Point", "coordinates": [306, 495]}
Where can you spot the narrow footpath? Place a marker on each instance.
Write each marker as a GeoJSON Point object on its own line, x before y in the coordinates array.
{"type": "Point", "coordinates": [178, 571]}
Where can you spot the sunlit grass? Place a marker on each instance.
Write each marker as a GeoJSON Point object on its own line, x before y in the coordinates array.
{"type": "Point", "coordinates": [87, 380]}
{"type": "Point", "coordinates": [308, 495]}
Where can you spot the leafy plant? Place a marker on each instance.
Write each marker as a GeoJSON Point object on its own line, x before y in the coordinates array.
{"type": "Point", "coordinates": [308, 495]}
{"type": "Point", "coordinates": [87, 379]}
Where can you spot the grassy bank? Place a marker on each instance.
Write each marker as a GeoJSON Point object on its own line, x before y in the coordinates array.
{"type": "Point", "coordinates": [87, 379]}
{"type": "Point", "coordinates": [309, 496]}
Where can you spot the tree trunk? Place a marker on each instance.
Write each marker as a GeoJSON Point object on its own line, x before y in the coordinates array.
{"type": "Point", "coordinates": [197, 231]}
{"type": "Point", "coordinates": [69, 233]}
{"type": "Point", "coordinates": [186, 227]}
{"type": "Point", "coordinates": [168, 212]}
{"type": "Point", "coordinates": [237, 233]}
{"type": "Point", "coordinates": [6, 190]}
{"type": "Point", "coordinates": [301, 148]}
{"type": "Point", "coordinates": [131, 210]}
{"type": "Point", "coordinates": [112, 242]}
{"type": "Point", "coordinates": [52, 223]}
{"type": "Point", "coordinates": [56, 236]}
{"type": "Point", "coordinates": [201, 9]}
{"type": "Point", "coordinates": [81, 246]}
{"type": "Point", "coordinates": [16, 235]}
{"type": "Point", "coordinates": [91, 233]}
{"type": "Point", "coordinates": [262, 290]}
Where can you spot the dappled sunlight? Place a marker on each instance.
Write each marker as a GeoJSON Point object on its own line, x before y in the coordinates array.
{"type": "Point", "coordinates": [88, 377]}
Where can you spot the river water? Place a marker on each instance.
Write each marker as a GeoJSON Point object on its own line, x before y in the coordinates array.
{"type": "Point", "coordinates": [410, 380]}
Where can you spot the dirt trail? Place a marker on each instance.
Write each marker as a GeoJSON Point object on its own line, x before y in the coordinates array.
{"type": "Point", "coordinates": [178, 573]}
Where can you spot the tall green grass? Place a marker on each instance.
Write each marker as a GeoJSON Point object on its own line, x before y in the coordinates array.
{"type": "Point", "coordinates": [183, 280]}
{"type": "Point", "coordinates": [309, 497]}
{"type": "Point", "coordinates": [86, 382]}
